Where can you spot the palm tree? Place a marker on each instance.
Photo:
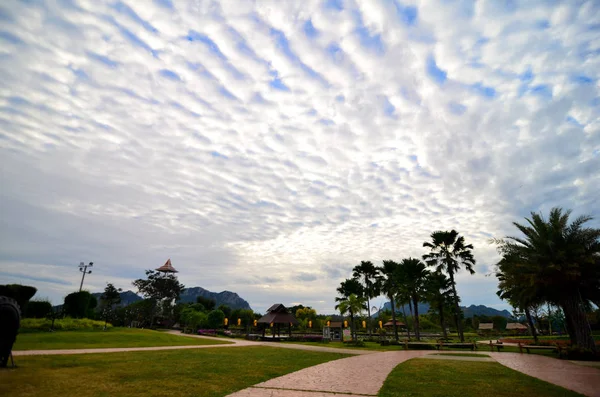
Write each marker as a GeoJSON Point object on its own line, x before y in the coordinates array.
{"type": "Point", "coordinates": [352, 305]}
{"type": "Point", "coordinates": [448, 252]}
{"type": "Point", "coordinates": [367, 273]}
{"type": "Point", "coordinates": [413, 274]}
{"type": "Point", "coordinates": [348, 287]}
{"type": "Point", "coordinates": [438, 292]}
{"type": "Point", "coordinates": [389, 281]}
{"type": "Point", "coordinates": [558, 262]}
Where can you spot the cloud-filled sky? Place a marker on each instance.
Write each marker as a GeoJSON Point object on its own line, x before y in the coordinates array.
{"type": "Point", "coordinates": [267, 147]}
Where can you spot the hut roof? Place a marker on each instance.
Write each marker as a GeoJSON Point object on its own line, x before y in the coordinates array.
{"type": "Point", "coordinates": [167, 267]}
{"type": "Point", "coordinates": [335, 324]}
{"type": "Point", "coordinates": [486, 325]}
{"type": "Point", "coordinates": [277, 314]}
{"type": "Point", "coordinates": [515, 326]}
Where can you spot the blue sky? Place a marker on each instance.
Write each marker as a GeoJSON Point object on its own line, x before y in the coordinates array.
{"type": "Point", "coordinates": [268, 147]}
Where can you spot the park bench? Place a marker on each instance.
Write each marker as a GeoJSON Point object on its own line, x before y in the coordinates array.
{"type": "Point", "coordinates": [465, 345]}
{"type": "Point", "coordinates": [530, 347]}
{"type": "Point", "coordinates": [497, 345]}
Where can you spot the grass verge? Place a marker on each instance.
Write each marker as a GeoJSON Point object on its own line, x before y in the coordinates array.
{"type": "Point", "coordinates": [461, 354]}
{"type": "Point", "coordinates": [201, 373]}
{"type": "Point", "coordinates": [113, 337]}
{"type": "Point", "coordinates": [437, 378]}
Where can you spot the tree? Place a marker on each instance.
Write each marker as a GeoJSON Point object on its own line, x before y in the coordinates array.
{"type": "Point", "coordinates": [79, 304]}
{"type": "Point", "coordinates": [366, 272]}
{"type": "Point", "coordinates": [389, 281]}
{"type": "Point", "coordinates": [558, 262]}
{"type": "Point", "coordinates": [215, 319]}
{"type": "Point", "coordinates": [413, 275]}
{"type": "Point", "coordinates": [109, 299]}
{"type": "Point", "coordinates": [438, 292]}
{"type": "Point", "coordinates": [209, 304]}
{"type": "Point", "coordinates": [349, 287]}
{"type": "Point", "coordinates": [226, 310]}
{"type": "Point", "coordinates": [352, 305]}
{"type": "Point", "coordinates": [448, 252]}
{"type": "Point", "coordinates": [159, 287]}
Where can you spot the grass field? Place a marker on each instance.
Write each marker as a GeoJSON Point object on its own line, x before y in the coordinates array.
{"type": "Point", "coordinates": [201, 372]}
{"type": "Point", "coordinates": [461, 354]}
{"type": "Point", "coordinates": [113, 337]}
{"type": "Point", "coordinates": [437, 378]}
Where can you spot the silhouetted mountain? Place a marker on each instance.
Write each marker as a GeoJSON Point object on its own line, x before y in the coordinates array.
{"type": "Point", "coordinates": [226, 298]}
{"type": "Point", "coordinates": [479, 310]}
{"type": "Point", "coordinates": [188, 295]}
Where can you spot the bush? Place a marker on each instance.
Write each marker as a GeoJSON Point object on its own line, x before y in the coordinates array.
{"type": "Point", "coordinates": [577, 353]}
{"type": "Point", "coordinates": [78, 304]}
{"type": "Point", "coordinates": [358, 343]}
{"type": "Point", "coordinates": [38, 309]}
{"type": "Point", "coordinates": [64, 324]}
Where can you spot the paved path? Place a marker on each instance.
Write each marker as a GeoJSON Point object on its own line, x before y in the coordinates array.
{"type": "Point", "coordinates": [360, 375]}
{"type": "Point", "coordinates": [584, 380]}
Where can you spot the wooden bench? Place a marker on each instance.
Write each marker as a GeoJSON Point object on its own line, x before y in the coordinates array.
{"type": "Point", "coordinates": [530, 347]}
{"type": "Point", "coordinates": [497, 345]}
{"type": "Point", "coordinates": [471, 346]}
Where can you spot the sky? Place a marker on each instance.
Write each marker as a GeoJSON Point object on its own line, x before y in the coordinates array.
{"type": "Point", "coordinates": [267, 147]}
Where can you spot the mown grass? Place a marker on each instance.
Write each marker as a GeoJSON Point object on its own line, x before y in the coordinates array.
{"type": "Point", "coordinates": [437, 378]}
{"type": "Point", "coordinates": [113, 337]}
{"type": "Point", "coordinates": [200, 373]}
{"type": "Point", "coordinates": [461, 354]}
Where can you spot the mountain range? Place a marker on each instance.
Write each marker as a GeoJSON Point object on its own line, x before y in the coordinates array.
{"type": "Point", "coordinates": [473, 310]}
{"type": "Point", "coordinates": [227, 298]}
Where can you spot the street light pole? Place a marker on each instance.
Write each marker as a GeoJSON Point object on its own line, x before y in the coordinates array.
{"type": "Point", "coordinates": [83, 269]}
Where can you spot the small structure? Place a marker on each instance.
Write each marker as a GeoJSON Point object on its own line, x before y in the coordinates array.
{"type": "Point", "coordinates": [486, 326]}
{"type": "Point", "coordinates": [516, 327]}
{"type": "Point", "coordinates": [333, 332]}
{"type": "Point", "coordinates": [167, 267]}
{"type": "Point", "coordinates": [390, 324]}
{"type": "Point", "coordinates": [275, 317]}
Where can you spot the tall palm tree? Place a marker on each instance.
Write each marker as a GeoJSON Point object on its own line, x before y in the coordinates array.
{"type": "Point", "coordinates": [389, 282]}
{"type": "Point", "coordinates": [352, 305]}
{"type": "Point", "coordinates": [413, 274]}
{"type": "Point", "coordinates": [448, 252]}
{"type": "Point", "coordinates": [348, 287]}
{"type": "Point", "coordinates": [558, 262]}
{"type": "Point", "coordinates": [438, 292]}
{"type": "Point", "coordinates": [367, 273]}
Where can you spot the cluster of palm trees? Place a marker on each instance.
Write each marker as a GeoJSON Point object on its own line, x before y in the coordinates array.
{"type": "Point", "coordinates": [555, 262]}
{"type": "Point", "coordinates": [410, 281]}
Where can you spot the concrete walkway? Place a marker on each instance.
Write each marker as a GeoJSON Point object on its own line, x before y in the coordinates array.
{"type": "Point", "coordinates": [361, 375]}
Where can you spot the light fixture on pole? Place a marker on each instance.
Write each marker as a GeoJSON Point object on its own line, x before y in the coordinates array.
{"type": "Point", "coordinates": [83, 269]}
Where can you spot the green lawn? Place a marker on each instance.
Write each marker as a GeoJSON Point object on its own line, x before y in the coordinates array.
{"type": "Point", "coordinates": [197, 372]}
{"type": "Point", "coordinates": [437, 378]}
{"type": "Point", "coordinates": [113, 337]}
{"type": "Point", "coordinates": [461, 354]}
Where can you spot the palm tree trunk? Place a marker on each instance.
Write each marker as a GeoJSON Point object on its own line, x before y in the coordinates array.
{"type": "Point", "coordinates": [406, 319]}
{"type": "Point", "coordinates": [368, 306]}
{"type": "Point", "coordinates": [578, 323]}
{"type": "Point", "coordinates": [442, 321]}
{"type": "Point", "coordinates": [531, 325]}
{"type": "Point", "coordinates": [416, 306]}
{"type": "Point", "coordinates": [394, 317]}
{"type": "Point", "coordinates": [352, 332]}
{"type": "Point", "coordinates": [456, 308]}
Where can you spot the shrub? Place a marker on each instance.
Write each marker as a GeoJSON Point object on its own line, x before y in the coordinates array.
{"type": "Point", "coordinates": [38, 309]}
{"type": "Point", "coordinates": [77, 304]}
{"type": "Point", "coordinates": [64, 324]}
{"type": "Point", "coordinates": [358, 343]}
{"type": "Point", "coordinates": [577, 353]}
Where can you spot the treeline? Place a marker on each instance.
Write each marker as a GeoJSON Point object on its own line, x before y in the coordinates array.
{"type": "Point", "coordinates": [409, 281]}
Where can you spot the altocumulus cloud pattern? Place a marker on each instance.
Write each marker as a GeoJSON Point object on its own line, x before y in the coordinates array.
{"type": "Point", "coordinates": [267, 147]}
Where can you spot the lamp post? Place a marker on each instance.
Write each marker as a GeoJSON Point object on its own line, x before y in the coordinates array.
{"type": "Point", "coordinates": [83, 269]}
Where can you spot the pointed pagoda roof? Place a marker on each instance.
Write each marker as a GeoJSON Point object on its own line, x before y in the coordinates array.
{"type": "Point", "coordinates": [167, 267]}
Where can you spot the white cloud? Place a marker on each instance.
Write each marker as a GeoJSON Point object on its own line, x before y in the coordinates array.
{"type": "Point", "coordinates": [267, 156]}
